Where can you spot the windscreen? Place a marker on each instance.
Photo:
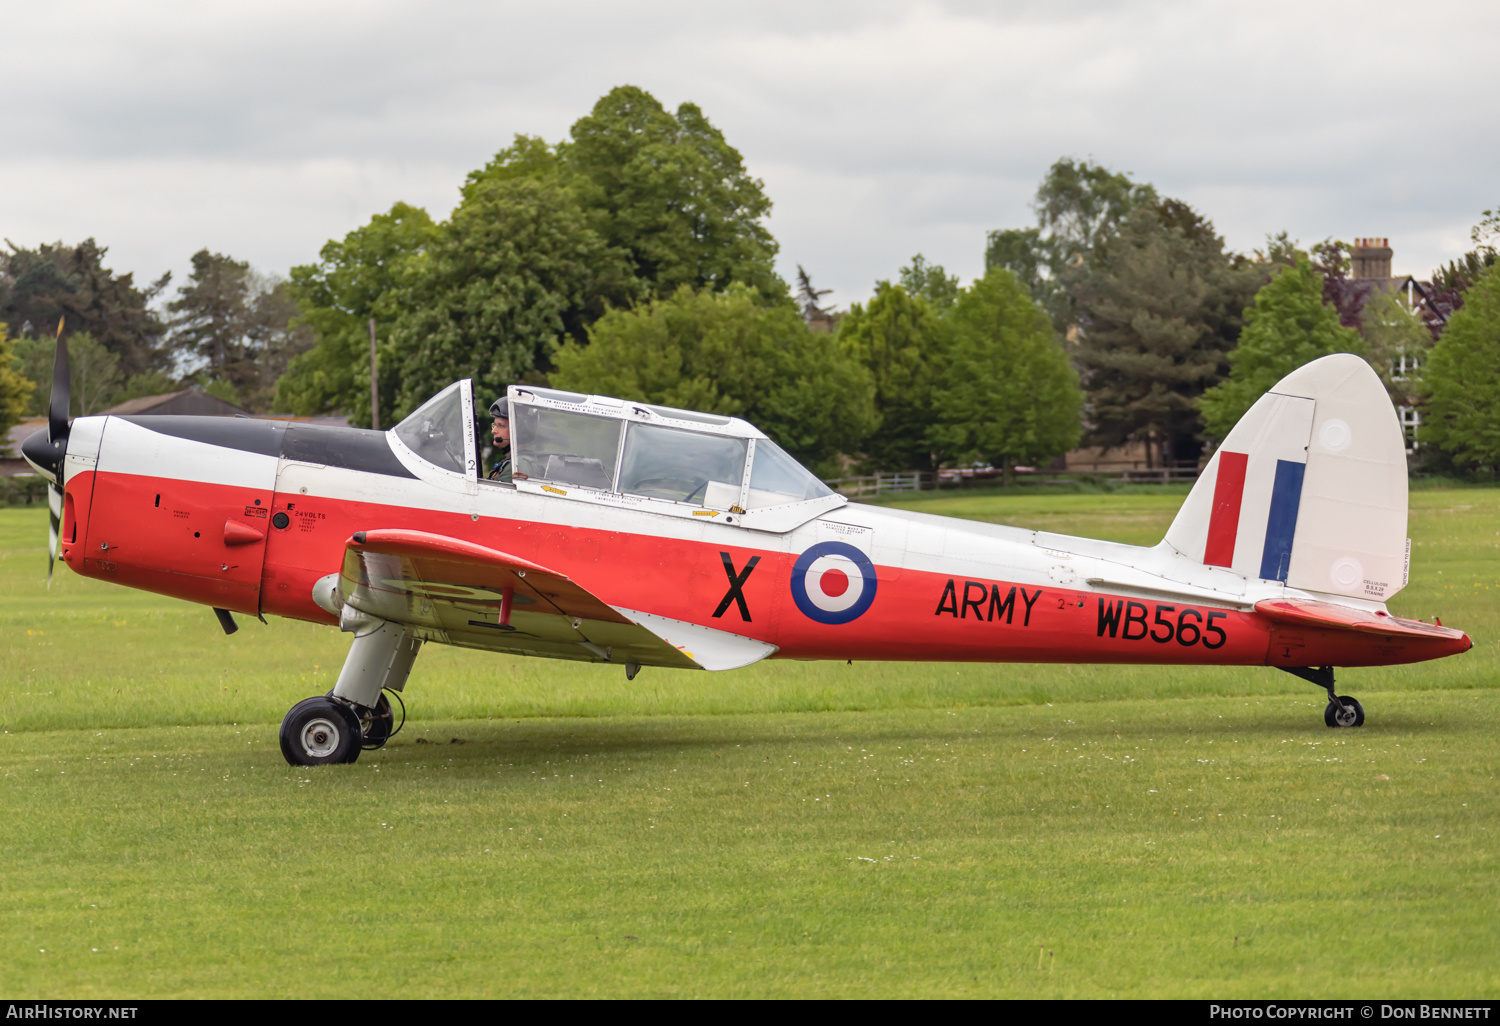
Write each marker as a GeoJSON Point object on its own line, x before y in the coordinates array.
{"type": "Point", "coordinates": [776, 478]}
{"type": "Point", "coordinates": [436, 430]}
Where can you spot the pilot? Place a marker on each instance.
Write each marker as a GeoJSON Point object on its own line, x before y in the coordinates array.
{"type": "Point", "coordinates": [500, 435]}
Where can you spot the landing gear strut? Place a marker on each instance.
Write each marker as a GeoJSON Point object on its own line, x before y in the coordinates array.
{"type": "Point", "coordinates": [378, 725]}
{"type": "Point", "coordinates": [1342, 711]}
{"type": "Point", "coordinates": [356, 714]}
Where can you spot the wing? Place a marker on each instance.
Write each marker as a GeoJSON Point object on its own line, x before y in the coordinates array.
{"type": "Point", "coordinates": [452, 591]}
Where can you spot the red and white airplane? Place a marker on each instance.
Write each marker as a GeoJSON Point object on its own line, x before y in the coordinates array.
{"type": "Point", "coordinates": [646, 536]}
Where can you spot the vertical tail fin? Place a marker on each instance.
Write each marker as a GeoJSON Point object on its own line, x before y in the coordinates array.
{"type": "Point", "coordinates": [1309, 488]}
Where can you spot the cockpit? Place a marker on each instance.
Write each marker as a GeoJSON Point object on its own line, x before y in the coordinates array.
{"type": "Point", "coordinates": [635, 454]}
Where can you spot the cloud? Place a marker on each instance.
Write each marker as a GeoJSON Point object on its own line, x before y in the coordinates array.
{"type": "Point", "coordinates": [880, 128]}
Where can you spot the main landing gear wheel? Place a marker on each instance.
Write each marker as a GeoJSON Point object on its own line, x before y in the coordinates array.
{"type": "Point", "coordinates": [356, 714]}
{"type": "Point", "coordinates": [1344, 712]}
{"type": "Point", "coordinates": [318, 731]}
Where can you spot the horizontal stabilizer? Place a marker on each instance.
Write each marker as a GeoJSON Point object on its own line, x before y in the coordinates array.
{"type": "Point", "coordinates": [1330, 616]}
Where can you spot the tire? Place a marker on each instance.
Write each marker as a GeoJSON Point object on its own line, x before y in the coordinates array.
{"type": "Point", "coordinates": [1347, 712]}
{"type": "Point", "coordinates": [319, 731]}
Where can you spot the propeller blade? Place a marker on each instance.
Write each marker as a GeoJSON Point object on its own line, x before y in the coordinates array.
{"type": "Point", "coordinates": [57, 407]}
{"type": "Point", "coordinates": [54, 526]}
{"type": "Point", "coordinates": [46, 451]}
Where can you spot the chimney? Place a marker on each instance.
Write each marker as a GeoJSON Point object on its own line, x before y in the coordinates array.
{"type": "Point", "coordinates": [1371, 258]}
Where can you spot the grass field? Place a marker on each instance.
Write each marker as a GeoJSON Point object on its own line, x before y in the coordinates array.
{"type": "Point", "coordinates": [789, 829]}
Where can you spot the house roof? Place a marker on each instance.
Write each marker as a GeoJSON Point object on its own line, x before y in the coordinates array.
{"type": "Point", "coordinates": [191, 402]}
{"type": "Point", "coordinates": [10, 445]}
{"type": "Point", "coordinates": [1426, 302]}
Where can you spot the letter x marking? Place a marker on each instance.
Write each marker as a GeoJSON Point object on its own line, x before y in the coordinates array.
{"type": "Point", "coordinates": [736, 583]}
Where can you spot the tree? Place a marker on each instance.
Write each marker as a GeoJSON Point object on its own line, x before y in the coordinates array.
{"type": "Point", "coordinates": [354, 280]}
{"type": "Point", "coordinates": [94, 372]}
{"type": "Point", "coordinates": [1487, 229]}
{"type": "Point", "coordinates": [1281, 250]}
{"type": "Point", "coordinates": [15, 390]}
{"type": "Point", "coordinates": [1005, 391]}
{"type": "Point", "coordinates": [1332, 261]}
{"type": "Point", "coordinates": [1462, 379]}
{"type": "Point", "coordinates": [1287, 326]}
{"type": "Point", "coordinates": [1162, 305]}
{"type": "Point", "coordinates": [96, 381]}
{"type": "Point", "coordinates": [898, 338]}
{"type": "Point", "coordinates": [728, 353]}
{"type": "Point", "coordinates": [614, 282]}
{"type": "Point", "coordinates": [1445, 294]}
{"type": "Point", "coordinates": [1396, 344]}
{"type": "Point", "coordinates": [930, 282]}
{"type": "Point", "coordinates": [232, 329]}
{"type": "Point", "coordinates": [1026, 253]}
{"type": "Point", "coordinates": [1078, 205]}
{"type": "Point", "coordinates": [277, 335]}
{"type": "Point", "coordinates": [667, 194]}
{"type": "Point", "coordinates": [52, 282]}
{"type": "Point", "coordinates": [1450, 282]}
{"type": "Point", "coordinates": [670, 192]}
{"type": "Point", "coordinates": [1459, 274]}
{"type": "Point", "coordinates": [489, 297]}
{"type": "Point", "coordinates": [1081, 203]}
{"type": "Point", "coordinates": [810, 297]}
{"type": "Point", "coordinates": [635, 204]}
{"type": "Point", "coordinates": [211, 319]}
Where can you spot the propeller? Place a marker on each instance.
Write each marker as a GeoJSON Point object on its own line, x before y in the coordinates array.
{"type": "Point", "coordinates": [45, 450]}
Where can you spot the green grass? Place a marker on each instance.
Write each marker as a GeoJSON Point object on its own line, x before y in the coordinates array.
{"type": "Point", "coordinates": [792, 829]}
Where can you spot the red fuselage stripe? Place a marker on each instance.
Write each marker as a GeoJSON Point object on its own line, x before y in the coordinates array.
{"type": "Point", "coordinates": [1224, 523]}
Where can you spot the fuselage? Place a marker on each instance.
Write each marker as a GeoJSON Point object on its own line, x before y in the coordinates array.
{"type": "Point", "coordinates": [248, 515]}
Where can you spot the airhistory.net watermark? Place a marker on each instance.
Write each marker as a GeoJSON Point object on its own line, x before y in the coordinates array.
{"type": "Point", "coordinates": [68, 1010]}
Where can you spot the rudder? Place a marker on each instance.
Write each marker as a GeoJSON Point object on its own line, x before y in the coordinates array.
{"type": "Point", "coordinates": [1308, 489]}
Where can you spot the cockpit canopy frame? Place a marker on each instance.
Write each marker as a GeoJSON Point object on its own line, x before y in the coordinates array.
{"type": "Point", "coordinates": [440, 433]}
{"type": "Point", "coordinates": [668, 460]}
{"type": "Point", "coordinates": [610, 451]}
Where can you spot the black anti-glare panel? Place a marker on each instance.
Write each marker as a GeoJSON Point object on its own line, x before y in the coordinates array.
{"type": "Point", "coordinates": [351, 448]}
{"type": "Point", "coordinates": [244, 433]}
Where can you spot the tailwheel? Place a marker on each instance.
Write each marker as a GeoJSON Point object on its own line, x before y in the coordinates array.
{"type": "Point", "coordinates": [1344, 711]}
{"type": "Point", "coordinates": [321, 730]}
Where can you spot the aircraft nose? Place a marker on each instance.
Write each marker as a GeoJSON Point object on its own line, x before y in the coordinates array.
{"type": "Point", "coordinates": [45, 455]}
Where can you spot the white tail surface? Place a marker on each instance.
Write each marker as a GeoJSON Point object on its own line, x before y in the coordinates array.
{"type": "Point", "coordinates": [1309, 488]}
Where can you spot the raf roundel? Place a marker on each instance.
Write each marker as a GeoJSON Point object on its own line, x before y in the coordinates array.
{"type": "Point", "coordinates": [833, 583]}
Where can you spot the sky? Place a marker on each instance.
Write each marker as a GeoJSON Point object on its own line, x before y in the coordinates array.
{"type": "Point", "coordinates": [880, 129]}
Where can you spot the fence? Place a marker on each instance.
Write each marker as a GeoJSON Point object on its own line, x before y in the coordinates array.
{"type": "Point", "coordinates": [912, 481]}
{"type": "Point", "coordinates": [882, 484]}
{"type": "Point", "coordinates": [1138, 475]}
